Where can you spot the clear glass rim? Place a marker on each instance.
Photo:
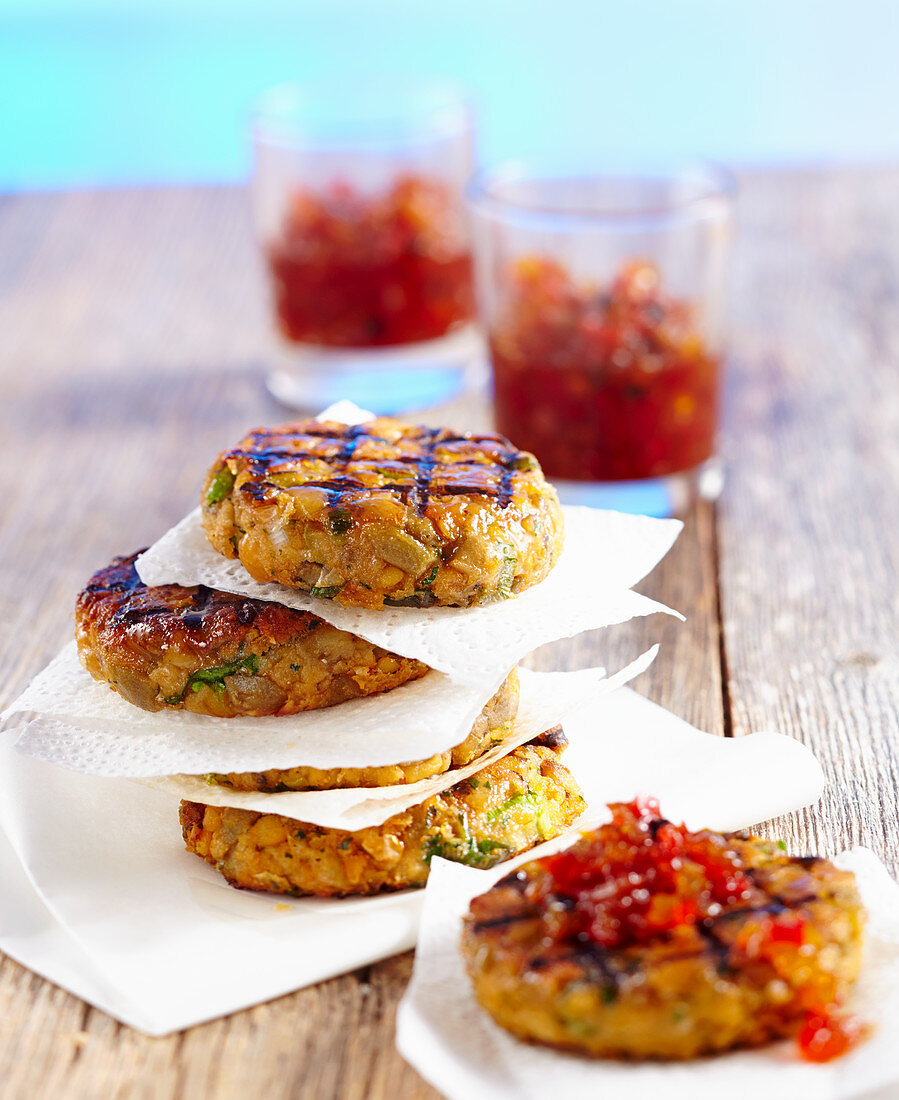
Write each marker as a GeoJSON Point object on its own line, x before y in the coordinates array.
{"type": "Point", "coordinates": [366, 111]}
{"type": "Point", "coordinates": [715, 192]}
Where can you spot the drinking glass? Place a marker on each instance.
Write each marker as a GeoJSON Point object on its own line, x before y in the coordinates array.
{"type": "Point", "coordinates": [359, 200]}
{"type": "Point", "coordinates": [603, 295]}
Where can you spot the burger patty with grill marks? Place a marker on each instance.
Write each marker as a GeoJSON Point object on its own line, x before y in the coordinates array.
{"type": "Point", "coordinates": [646, 941]}
{"type": "Point", "coordinates": [215, 653]}
{"type": "Point", "coordinates": [384, 513]}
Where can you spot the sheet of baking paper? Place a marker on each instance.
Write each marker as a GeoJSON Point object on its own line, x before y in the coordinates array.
{"type": "Point", "coordinates": [150, 934]}
{"type": "Point", "coordinates": [85, 726]}
{"type": "Point", "coordinates": [456, 1046]}
{"type": "Point", "coordinates": [605, 554]}
{"type": "Point", "coordinates": [547, 699]}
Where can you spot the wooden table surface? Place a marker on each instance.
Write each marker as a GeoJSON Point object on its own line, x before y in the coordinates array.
{"type": "Point", "coordinates": [133, 341]}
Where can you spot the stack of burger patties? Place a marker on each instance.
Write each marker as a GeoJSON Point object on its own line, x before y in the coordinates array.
{"type": "Point", "coordinates": [378, 515]}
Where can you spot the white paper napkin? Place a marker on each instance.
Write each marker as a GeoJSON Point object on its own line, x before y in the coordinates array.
{"type": "Point", "coordinates": [84, 725]}
{"type": "Point", "coordinates": [605, 554]}
{"type": "Point", "coordinates": [547, 699]}
{"type": "Point", "coordinates": [152, 935]}
{"type": "Point", "coordinates": [454, 1044]}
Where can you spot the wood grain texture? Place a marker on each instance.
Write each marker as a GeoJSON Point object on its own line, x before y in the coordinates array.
{"type": "Point", "coordinates": [133, 341]}
{"type": "Point", "coordinates": [809, 555]}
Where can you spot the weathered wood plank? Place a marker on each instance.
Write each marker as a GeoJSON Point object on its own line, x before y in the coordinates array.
{"type": "Point", "coordinates": [809, 550]}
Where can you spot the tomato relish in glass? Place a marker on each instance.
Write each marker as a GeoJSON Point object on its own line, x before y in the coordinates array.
{"type": "Point", "coordinates": [611, 383]}
{"type": "Point", "coordinates": [641, 878]}
{"type": "Point", "coordinates": [352, 269]}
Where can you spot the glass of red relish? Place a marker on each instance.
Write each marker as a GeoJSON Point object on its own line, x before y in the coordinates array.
{"type": "Point", "coordinates": [603, 297]}
{"type": "Point", "coordinates": [359, 200]}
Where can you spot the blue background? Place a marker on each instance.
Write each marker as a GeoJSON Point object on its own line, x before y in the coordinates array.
{"type": "Point", "coordinates": [99, 93]}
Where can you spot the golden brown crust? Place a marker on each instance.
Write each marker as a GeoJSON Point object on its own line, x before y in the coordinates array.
{"type": "Point", "coordinates": [492, 725]}
{"type": "Point", "coordinates": [215, 653]}
{"type": "Point", "coordinates": [688, 993]}
{"type": "Point", "coordinates": [384, 512]}
{"type": "Point", "coordinates": [508, 807]}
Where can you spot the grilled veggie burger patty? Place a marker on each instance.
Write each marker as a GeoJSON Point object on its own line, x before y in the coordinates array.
{"type": "Point", "coordinates": [492, 725]}
{"type": "Point", "coordinates": [644, 940]}
{"type": "Point", "coordinates": [521, 799]}
{"type": "Point", "coordinates": [215, 653]}
{"type": "Point", "coordinates": [384, 512]}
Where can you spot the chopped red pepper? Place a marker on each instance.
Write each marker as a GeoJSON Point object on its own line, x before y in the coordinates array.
{"type": "Point", "coordinates": [642, 876]}
{"type": "Point", "coordinates": [827, 1035]}
{"type": "Point", "coordinates": [356, 270]}
{"type": "Point", "coordinates": [603, 384]}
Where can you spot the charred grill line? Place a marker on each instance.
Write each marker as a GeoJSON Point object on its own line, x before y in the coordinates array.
{"type": "Point", "coordinates": [352, 441]}
{"type": "Point", "coordinates": [504, 496]}
{"type": "Point", "coordinates": [256, 489]}
{"type": "Point", "coordinates": [130, 615]}
{"type": "Point", "coordinates": [468, 490]}
{"type": "Point", "coordinates": [718, 948]}
{"type": "Point", "coordinates": [591, 956]}
{"type": "Point", "coordinates": [758, 879]}
{"type": "Point", "coordinates": [516, 881]}
{"type": "Point", "coordinates": [203, 597]}
{"type": "Point", "coordinates": [192, 608]}
{"type": "Point", "coordinates": [337, 486]}
{"type": "Point", "coordinates": [341, 483]}
{"type": "Point", "coordinates": [261, 457]}
{"type": "Point", "coordinates": [124, 584]}
{"type": "Point", "coordinates": [341, 436]}
{"type": "Point", "coordinates": [550, 739]}
{"type": "Point", "coordinates": [344, 456]}
{"type": "Point", "coordinates": [502, 492]}
{"type": "Point", "coordinates": [127, 586]}
{"type": "Point", "coordinates": [425, 469]}
{"type": "Point", "coordinates": [708, 928]}
{"type": "Point", "coordinates": [424, 472]}
{"type": "Point", "coordinates": [775, 906]}
{"type": "Point", "coordinates": [115, 586]}
{"type": "Point", "coordinates": [504, 921]}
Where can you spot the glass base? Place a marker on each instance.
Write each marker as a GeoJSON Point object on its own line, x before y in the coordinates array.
{"type": "Point", "coordinates": [388, 381]}
{"type": "Point", "coordinates": [659, 496]}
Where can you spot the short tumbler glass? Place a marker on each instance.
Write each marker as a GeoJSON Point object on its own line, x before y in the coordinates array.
{"type": "Point", "coordinates": [359, 198]}
{"type": "Point", "coordinates": [603, 295]}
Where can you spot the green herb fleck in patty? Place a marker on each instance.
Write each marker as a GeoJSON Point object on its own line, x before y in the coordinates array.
{"type": "Point", "coordinates": [215, 677]}
{"type": "Point", "coordinates": [220, 486]}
